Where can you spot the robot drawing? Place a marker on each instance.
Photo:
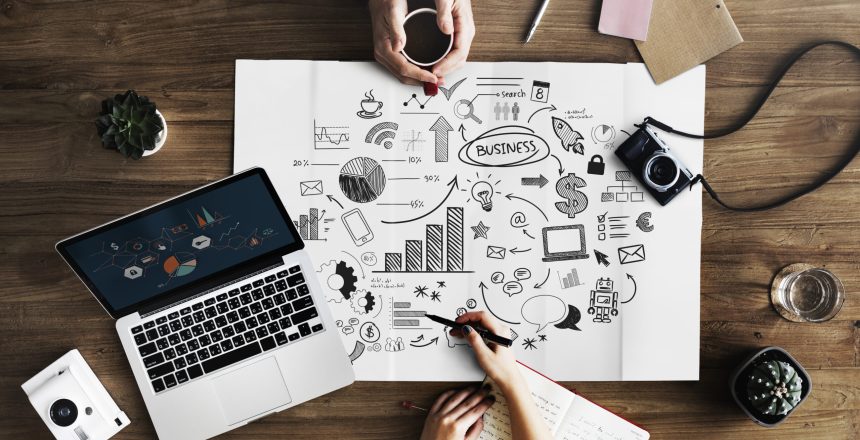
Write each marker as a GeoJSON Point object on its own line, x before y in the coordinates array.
{"type": "Point", "coordinates": [603, 301]}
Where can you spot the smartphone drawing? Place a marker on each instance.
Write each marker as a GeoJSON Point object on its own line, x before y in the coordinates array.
{"type": "Point", "coordinates": [357, 226]}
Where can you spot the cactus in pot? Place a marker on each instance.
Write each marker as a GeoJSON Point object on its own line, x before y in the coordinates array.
{"type": "Point", "coordinates": [774, 387]}
{"type": "Point", "coordinates": [131, 124]}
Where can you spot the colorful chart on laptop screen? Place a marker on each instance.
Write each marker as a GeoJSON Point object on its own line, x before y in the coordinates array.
{"type": "Point", "coordinates": [186, 242]}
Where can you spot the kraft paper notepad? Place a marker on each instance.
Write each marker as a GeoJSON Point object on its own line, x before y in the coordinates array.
{"type": "Point", "coordinates": [686, 33]}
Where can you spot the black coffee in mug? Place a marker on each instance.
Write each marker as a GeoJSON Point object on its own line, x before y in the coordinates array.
{"type": "Point", "coordinates": [425, 43]}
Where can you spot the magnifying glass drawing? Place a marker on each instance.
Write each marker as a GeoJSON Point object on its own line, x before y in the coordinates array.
{"type": "Point", "coordinates": [464, 110]}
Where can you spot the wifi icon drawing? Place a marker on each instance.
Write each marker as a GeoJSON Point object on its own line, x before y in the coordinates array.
{"type": "Point", "coordinates": [382, 134]}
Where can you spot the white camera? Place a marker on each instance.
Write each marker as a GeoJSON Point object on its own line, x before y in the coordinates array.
{"type": "Point", "coordinates": [72, 402]}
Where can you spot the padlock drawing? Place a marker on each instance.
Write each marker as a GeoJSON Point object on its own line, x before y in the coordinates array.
{"type": "Point", "coordinates": [596, 165]}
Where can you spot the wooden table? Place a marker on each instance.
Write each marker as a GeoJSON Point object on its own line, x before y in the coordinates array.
{"type": "Point", "coordinates": [59, 59]}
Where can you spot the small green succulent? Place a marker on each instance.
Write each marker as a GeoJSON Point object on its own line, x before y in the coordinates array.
{"type": "Point", "coordinates": [774, 387]}
{"type": "Point", "coordinates": [129, 124]}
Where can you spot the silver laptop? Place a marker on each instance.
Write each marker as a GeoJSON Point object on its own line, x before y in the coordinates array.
{"type": "Point", "coordinates": [217, 304]}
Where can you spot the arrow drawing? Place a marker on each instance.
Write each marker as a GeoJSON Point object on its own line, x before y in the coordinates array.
{"type": "Point", "coordinates": [441, 128]}
{"type": "Point", "coordinates": [484, 296]}
{"type": "Point", "coordinates": [453, 184]}
{"type": "Point", "coordinates": [418, 339]}
{"type": "Point", "coordinates": [462, 131]}
{"type": "Point", "coordinates": [601, 258]}
{"type": "Point", "coordinates": [332, 199]}
{"type": "Point", "coordinates": [538, 286]}
{"type": "Point", "coordinates": [511, 196]}
{"type": "Point", "coordinates": [634, 289]}
{"type": "Point", "coordinates": [517, 251]}
{"type": "Point", "coordinates": [560, 168]}
{"type": "Point", "coordinates": [430, 342]}
{"type": "Point", "coordinates": [550, 108]}
{"type": "Point", "coordinates": [535, 181]}
{"type": "Point", "coordinates": [527, 234]}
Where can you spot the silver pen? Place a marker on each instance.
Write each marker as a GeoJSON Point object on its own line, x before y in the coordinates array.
{"type": "Point", "coordinates": [536, 21]}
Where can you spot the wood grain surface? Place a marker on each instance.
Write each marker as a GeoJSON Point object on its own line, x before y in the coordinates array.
{"type": "Point", "coordinates": [58, 59]}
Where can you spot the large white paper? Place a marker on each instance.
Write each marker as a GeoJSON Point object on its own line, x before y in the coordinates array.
{"type": "Point", "coordinates": [391, 191]}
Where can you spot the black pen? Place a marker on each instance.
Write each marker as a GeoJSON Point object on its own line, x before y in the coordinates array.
{"type": "Point", "coordinates": [486, 334]}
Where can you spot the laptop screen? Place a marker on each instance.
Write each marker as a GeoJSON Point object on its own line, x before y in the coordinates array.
{"type": "Point", "coordinates": [185, 240]}
{"type": "Point", "coordinates": [564, 240]}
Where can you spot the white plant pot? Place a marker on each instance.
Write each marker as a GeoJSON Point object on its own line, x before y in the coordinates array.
{"type": "Point", "coordinates": [161, 139]}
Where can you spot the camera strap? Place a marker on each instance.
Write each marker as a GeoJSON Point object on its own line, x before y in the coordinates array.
{"type": "Point", "coordinates": [826, 177]}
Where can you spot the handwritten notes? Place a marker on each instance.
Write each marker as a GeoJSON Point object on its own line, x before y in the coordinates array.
{"type": "Point", "coordinates": [569, 416]}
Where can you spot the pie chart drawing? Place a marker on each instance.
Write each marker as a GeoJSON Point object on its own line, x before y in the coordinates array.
{"type": "Point", "coordinates": [362, 180]}
{"type": "Point", "coordinates": [180, 264]}
{"type": "Point", "coordinates": [603, 133]}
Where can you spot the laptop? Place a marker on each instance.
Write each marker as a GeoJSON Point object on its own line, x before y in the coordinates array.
{"type": "Point", "coordinates": [217, 304]}
{"type": "Point", "coordinates": [562, 243]}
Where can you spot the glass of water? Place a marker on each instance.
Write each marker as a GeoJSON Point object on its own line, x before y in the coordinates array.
{"type": "Point", "coordinates": [805, 293]}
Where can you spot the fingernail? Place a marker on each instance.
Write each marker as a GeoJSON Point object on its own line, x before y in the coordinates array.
{"type": "Point", "coordinates": [467, 329]}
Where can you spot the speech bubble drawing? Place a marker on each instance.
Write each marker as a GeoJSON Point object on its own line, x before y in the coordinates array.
{"type": "Point", "coordinates": [572, 318]}
{"type": "Point", "coordinates": [512, 288]}
{"type": "Point", "coordinates": [497, 277]}
{"type": "Point", "coordinates": [543, 310]}
{"type": "Point", "coordinates": [522, 274]}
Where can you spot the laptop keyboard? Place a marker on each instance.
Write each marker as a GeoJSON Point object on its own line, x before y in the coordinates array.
{"type": "Point", "coordinates": [220, 331]}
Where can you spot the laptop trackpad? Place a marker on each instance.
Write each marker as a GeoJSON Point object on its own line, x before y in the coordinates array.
{"type": "Point", "coordinates": [252, 390]}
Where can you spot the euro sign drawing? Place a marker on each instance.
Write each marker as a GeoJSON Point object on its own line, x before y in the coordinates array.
{"type": "Point", "coordinates": [576, 201]}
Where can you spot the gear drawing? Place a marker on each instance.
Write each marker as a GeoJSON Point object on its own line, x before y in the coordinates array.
{"type": "Point", "coordinates": [339, 277]}
{"type": "Point", "coordinates": [362, 302]}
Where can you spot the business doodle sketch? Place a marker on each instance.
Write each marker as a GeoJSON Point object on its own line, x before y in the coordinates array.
{"type": "Point", "coordinates": [362, 180]}
{"type": "Point", "coordinates": [570, 138]}
{"type": "Point", "coordinates": [370, 107]}
{"type": "Point", "coordinates": [382, 134]}
{"type": "Point", "coordinates": [445, 205]}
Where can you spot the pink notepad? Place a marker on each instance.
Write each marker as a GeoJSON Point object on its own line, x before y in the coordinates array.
{"type": "Point", "coordinates": [625, 18]}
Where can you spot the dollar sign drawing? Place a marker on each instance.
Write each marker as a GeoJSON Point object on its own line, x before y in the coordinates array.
{"type": "Point", "coordinates": [114, 246]}
{"type": "Point", "coordinates": [369, 332]}
{"type": "Point", "coordinates": [576, 202]}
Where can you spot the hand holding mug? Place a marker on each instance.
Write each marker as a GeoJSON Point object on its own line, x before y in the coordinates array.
{"type": "Point", "coordinates": [390, 39]}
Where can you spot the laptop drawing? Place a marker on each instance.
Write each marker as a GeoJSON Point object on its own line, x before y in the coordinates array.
{"type": "Point", "coordinates": [564, 243]}
{"type": "Point", "coordinates": [218, 307]}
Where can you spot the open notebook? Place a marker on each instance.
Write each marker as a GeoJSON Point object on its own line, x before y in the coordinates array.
{"type": "Point", "coordinates": [569, 416]}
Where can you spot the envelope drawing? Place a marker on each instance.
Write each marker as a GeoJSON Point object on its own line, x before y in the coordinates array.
{"type": "Point", "coordinates": [496, 252]}
{"type": "Point", "coordinates": [311, 187]}
{"type": "Point", "coordinates": [631, 254]}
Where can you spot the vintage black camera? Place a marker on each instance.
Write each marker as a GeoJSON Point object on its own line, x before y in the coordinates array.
{"type": "Point", "coordinates": [650, 160]}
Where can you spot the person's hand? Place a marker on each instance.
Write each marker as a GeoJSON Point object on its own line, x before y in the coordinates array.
{"type": "Point", "coordinates": [457, 415]}
{"type": "Point", "coordinates": [455, 16]}
{"type": "Point", "coordinates": [497, 361]}
{"type": "Point", "coordinates": [389, 38]}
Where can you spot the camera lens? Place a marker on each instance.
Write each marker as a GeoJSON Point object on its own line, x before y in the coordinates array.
{"type": "Point", "coordinates": [64, 412]}
{"type": "Point", "coordinates": [661, 171]}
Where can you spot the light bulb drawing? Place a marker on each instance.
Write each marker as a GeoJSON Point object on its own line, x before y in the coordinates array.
{"type": "Point", "coordinates": [483, 193]}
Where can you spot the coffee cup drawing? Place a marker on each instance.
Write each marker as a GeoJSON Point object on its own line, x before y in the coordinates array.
{"type": "Point", "coordinates": [370, 107]}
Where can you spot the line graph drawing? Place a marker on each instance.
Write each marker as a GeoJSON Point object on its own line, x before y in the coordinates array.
{"type": "Point", "coordinates": [229, 231]}
{"type": "Point", "coordinates": [330, 137]}
{"type": "Point", "coordinates": [418, 101]}
{"type": "Point", "coordinates": [413, 140]}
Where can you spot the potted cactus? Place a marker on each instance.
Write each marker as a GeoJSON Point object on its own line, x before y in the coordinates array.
{"type": "Point", "coordinates": [132, 125]}
{"type": "Point", "coordinates": [770, 385]}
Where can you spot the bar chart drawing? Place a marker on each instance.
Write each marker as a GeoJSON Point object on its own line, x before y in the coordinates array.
{"type": "Point", "coordinates": [403, 316]}
{"type": "Point", "coordinates": [309, 225]}
{"type": "Point", "coordinates": [442, 243]}
{"type": "Point", "coordinates": [571, 279]}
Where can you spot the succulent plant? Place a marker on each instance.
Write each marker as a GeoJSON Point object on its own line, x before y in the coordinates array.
{"type": "Point", "coordinates": [129, 123]}
{"type": "Point", "coordinates": [774, 387]}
